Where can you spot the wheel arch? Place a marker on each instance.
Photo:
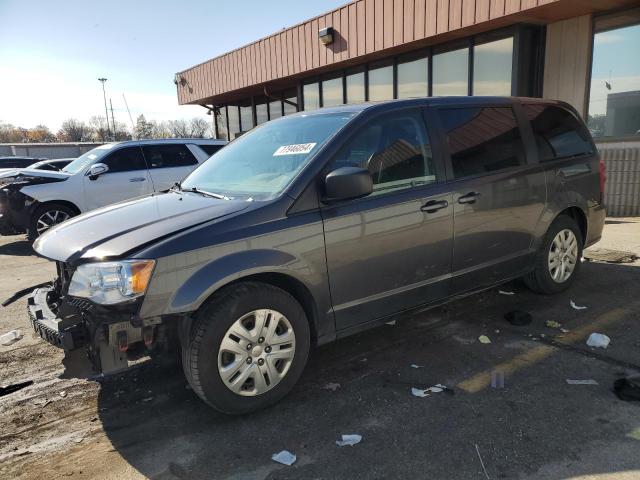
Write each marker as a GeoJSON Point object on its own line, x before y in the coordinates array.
{"type": "Point", "coordinates": [66, 203]}
{"type": "Point", "coordinates": [577, 214]}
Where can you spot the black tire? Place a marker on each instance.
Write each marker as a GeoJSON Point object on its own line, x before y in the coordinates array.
{"type": "Point", "coordinates": [209, 327]}
{"type": "Point", "coordinates": [540, 279]}
{"type": "Point", "coordinates": [32, 231]}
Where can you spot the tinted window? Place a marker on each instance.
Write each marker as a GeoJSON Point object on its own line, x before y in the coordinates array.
{"type": "Point", "coordinates": [355, 87]}
{"type": "Point", "coordinates": [125, 160]}
{"type": "Point", "coordinates": [395, 149]}
{"type": "Point", "coordinates": [16, 163]}
{"type": "Point", "coordinates": [332, 92]}
{"type": "Point", "coordinates": [311, 94]}
{"type": "Point", "coordinates": [557, 132]}
{"type": "Point", "coordinates": [380, 83]}
{"type": "Point", "coordinates": [451, 73]}
{"type": "Point", "coordinates": [211, 149]}
{"type": "Point", "coordinates": [482, 140]}
{"type": "Point", "coordinates": [166, 156]}
{"type": "Point", "coordinates": [413, 78]}
{"type": "Point", "coordinates": [492, 67]}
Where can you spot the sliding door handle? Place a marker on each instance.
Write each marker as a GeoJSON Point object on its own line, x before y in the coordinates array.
{"type": "Point", "coordinates": [433, 206]}
{"type": "Point", "coordinates": [137, 179]}
{"type": "Point", "coordinates": [470, 197]}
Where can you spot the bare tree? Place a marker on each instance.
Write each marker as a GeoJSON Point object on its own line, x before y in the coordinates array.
{"type": "Point", "coordinates": [99, 129]}
{"type": "Point", "coordinates": [194, 128]}
{"type": "Point", "coordinates": [161, 130]}
{"type": "Point", "coordinates": [73, 130]}
{"type": "Point", "coordinates": [40, 133]}
{"type": "Point", "coordinates": [143, 128]}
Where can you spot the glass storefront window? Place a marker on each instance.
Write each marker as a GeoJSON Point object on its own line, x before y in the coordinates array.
{"type": "Point", "coordinates": [451, 72]}
{"type": "Point", "coordinates": [261, 113]}
{"type": "Point", "coordinates": [492, 67]}
{"type": "Point", "coordinates": [332, 92]}
{"type": "Point", "coordinates": [221, 123]}
{"type": "Point", "coordinates": [246, 118]}
{"type": "Point", "coordinates": [614, 99]}
{"type": "Point", "coordinates": [234, 121]}
{"type": "Point", "coordinates": [275, 109]}
{"type": "Point", "coordinates": [381, 82]}
{"type": "Point", "coordinates": [311, 95]}
{"type": "Point", "coordinates": [290, 105]}
{"type": "Point", "coordinates": [355, 87]}
{"type": "Point", "coordinates": [413, 78]}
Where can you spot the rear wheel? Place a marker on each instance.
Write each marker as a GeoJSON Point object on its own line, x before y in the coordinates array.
{"type": "Point", "coordinates": [247, 348]}
{"type": "Point", "coordinates": [559, 259]}
{"type": "Point", "coordinates": [47, 216]}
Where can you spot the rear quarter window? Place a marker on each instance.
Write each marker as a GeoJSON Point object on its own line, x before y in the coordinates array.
{"type": "Point", "coordinates": [558, 133]}
{"type": "Point", "coordinates": [210, 149]}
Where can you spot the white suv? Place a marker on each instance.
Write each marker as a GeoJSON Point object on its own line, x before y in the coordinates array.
{"type": "Point", "coordinates": [38, 199]}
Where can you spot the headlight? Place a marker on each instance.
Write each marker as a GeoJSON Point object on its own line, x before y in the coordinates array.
{"type": "Point", "coordinates": [111, 282]}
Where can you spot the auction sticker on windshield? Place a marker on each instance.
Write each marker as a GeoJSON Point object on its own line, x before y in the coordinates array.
{"type": "Point", "coordinates": [300, 148]}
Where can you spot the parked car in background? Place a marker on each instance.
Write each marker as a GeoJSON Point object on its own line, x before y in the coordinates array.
{"type": "Point", "coordinates": [54, 165]}
{"type": "Point", "coordinates": [18, 162]}
{"type": "Point", "coordinates": [35, 200]}
{"type": "Point", "coordinates": [319, 225]}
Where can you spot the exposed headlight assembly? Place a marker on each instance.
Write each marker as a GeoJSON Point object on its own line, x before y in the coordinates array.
{"type": "Point", "coordinates": [108, 283]}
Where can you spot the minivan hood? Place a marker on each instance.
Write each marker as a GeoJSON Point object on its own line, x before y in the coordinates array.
{"type": "Point", "coordinates": [117, 229]}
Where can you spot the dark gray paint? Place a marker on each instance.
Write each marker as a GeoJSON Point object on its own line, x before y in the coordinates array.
{"type": "Point", "coordinates": [359, 260]}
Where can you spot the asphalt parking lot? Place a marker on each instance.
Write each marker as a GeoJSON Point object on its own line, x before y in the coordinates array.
{"type": "Point", "coordinates": [148, 424]}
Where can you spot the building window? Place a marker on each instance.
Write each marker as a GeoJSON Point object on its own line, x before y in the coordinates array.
{"type": "Point", "coordinates": [234, 121]}
{"type": "Point", "coordinates": [614, 99]}
{"type": "Point", "coordinates": [413, 77]}
{"type": "Point", "coordinates": [492, 63]}
{"type": "Point", "coordinates": [275, 109]}
{"type": "Point", "coordinates": [355, 86]}
{"type": "Point", "coordinates": [332, 93]}
{"type": "Point", "coordinates": [290, 103]}
{"type": "Point", "coordinates": [246, 117]}
{"type": "Point", "coordinates": [261, 112]}
{"type": "Point", "coordinates": [381, 82]}
{"type": "Point", "coordinates": [451, 72]}
{"type": "Point", "coordinates": [311, 95]}
{"type": "Point", "coordinates": [221, 123]}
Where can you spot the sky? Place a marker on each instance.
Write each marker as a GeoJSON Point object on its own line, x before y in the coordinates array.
{"type": "Point", "coordinates": [53, 51]}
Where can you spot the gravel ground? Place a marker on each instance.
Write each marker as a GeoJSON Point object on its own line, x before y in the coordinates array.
{"type": "Point", "coordinates": [148, 424]}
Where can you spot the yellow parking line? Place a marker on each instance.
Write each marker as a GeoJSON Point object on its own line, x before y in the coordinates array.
{"type": "Point", "coordinates": [482, 380]}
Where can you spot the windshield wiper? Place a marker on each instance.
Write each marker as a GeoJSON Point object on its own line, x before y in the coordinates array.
{"type": "Point", "coordinates": [209, 194]}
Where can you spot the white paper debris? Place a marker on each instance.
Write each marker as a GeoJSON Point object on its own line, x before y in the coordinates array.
{"type": "Point", "coordinates": [484, 339]}
{"type": "Point", "coordinates": [297, 149]}
{"type": "Point", "coordinates": [576, 307]}
{"type": "Point", "coordinates": [413, 365]}
{"type": "Point", "coordinates": [582, 382]}
{"type": "Point", "coordinates": [349, 440]}
{"type": "Point", "coordinates": [331, 386]}
{"type": "Point", "coordinates": [392, 322]}
{"type": "Point", "coordinates": [10, 337]}
{"type": "Point", "coordinates": [284, 457]}
{"type": "Point", "coordinates": [417, 392]}
{"type": "Point", "coordinates": [502, 292]}
{"type": "Point", "coordinates": [598, 340]}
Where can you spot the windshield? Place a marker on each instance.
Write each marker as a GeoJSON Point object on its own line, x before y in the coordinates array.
{"type": "Point", "coordinates": [88, 158]}
{"type": "Point", "coordinates": [262, 163]}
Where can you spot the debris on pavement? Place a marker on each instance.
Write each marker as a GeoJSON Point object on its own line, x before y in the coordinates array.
{"type": "Point", "coordinates": [565, 330]}
{"type": "Point", "coordinates": [10, 337]}
{"type": "Point", "coordinates": [502, 292]}
{"type": "Point", "coordinates": [413, 365]}
{"type": "Point", "coordinates": [553, 324]}
{"type": "Point", "coordinates": [598, 340]}
{"type": "Point", "coordinates": [582, 382]}
{"type": "Point", "coordinates": [392, 322]}
{"type": "Point", "coordinates": [331, 386]}
{"type": "Point", "coordinates": [576, 307]}
{"type": "Point", "coordinates": [481, 462]}
{"type": "Point", "coordinates": [635, 434]}
{"type": "Point", "coordinates": [484, 339]}
{"type": "Point", "coordinates": [349, 440]}
{"type": "Point", "coordinates": [284, 457]}
{"type": "Point", "coordinates": [518, 318]}
{"type": "Point", "coordinates": [628, 388]}
{"type": "Point", "coordinates": [418, 392]}
{"type": "Point", "coordinates": [497, 379]}
{"type": "Point", "coordinates": [63, 393]}
{"type": "Point", "coordinates": [14, 388]}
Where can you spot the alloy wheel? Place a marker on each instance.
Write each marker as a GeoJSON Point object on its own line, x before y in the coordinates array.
{"type": "Point", "coordinates": [50, 218]}
{"type": "Point", "coordinates": [563, 256]}
{"type": "Point", "coordinates": [256, 352]}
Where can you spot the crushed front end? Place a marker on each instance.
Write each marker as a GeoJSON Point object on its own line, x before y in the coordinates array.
{"type": "Point", "coordinates": [114, 336]}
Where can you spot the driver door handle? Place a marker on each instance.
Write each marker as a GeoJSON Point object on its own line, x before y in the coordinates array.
{"type": "Point", "coordinates": [470, 197]}
{"type": "Point", "coordinates": [433, 206]}
{"type": "Point", "coordinates": [137, 179]}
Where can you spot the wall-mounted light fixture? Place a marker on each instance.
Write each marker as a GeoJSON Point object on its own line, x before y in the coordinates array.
{"type": "Point", "coordinates": [179, 79]}
{"type": "Point", "coordinates": [326, 35]}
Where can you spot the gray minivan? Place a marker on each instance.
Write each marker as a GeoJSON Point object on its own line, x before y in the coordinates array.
{"type": "Point", "coordinates": [319, 225]}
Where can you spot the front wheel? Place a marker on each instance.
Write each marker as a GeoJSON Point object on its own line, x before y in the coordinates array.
{"type": "Point", "coordinates": [247, 348]}
{"type": "Point", "coordinates": [47, 216]}
{"type": "Point", "coordinates": [559, 259]}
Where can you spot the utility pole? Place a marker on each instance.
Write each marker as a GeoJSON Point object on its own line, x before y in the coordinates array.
{"type": "Point", "coordinates": [133, 128]}
{"type": "Point", "coordinates": [113, 121]}
{"type": "Point", "coordinates": [106, 114]}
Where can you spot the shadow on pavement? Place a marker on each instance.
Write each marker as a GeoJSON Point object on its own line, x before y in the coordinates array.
{"type": "Point", "coordinates": [160, 427]}
{"type": "Point", "coordinates": [19, 248]}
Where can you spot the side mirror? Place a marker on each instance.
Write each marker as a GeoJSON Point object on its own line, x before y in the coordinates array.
{"type": "Point", "coordinates": [346, 183]}
{"type": "Point", "coordinates": [96, 170]}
